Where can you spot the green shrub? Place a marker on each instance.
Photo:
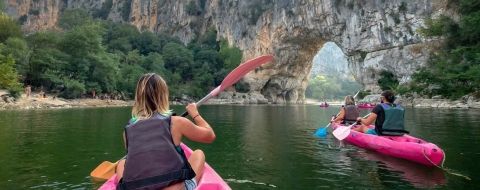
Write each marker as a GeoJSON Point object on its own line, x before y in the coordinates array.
{"type": "Point", "coordinates": [387, 80]}
{"type": "Point", "coordinates": [402, 89]}
{"type": "Point", "coordinates": [362, 94]}
{"type": "Point", "coordinates": [9, 76]}
{"type": "Point", "coordinates": [8, 28]}
{"type": "Point", "coordinates": [242, 87]}
{"type": "Point", "coordinates": [73, 89]}
{"type": "Point", "coordinates": [438, 27]}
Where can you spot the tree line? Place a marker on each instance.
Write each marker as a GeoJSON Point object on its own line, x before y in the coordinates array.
{"type": "Point", "coordinates": [331, 86]}
{"type": "Point", "coordinates": [87, 54]}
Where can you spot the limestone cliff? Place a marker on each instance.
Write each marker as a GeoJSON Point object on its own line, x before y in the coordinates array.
{"type": "Point", "coordinates": [374, 34]}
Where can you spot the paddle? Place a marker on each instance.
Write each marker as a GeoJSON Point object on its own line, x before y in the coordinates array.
{"type": "Point", "coordinates": [234, 76]}
{"type": "Point", "coordinates": [106, 169]}
{"type": "Point", "coordinates": [322, 132]}
{"type": "Point", "coordinates": [356, 94]}
{"type": "Point", "coordinates": [342, 132]}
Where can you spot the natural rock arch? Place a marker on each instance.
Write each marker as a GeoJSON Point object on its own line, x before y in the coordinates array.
{"type": "Point", "coordinates": [374, 34]}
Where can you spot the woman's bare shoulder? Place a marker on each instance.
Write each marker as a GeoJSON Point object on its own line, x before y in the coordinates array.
{"type": "Point", "coordinates": [179, 121]}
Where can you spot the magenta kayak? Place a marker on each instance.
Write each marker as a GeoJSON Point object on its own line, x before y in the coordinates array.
{"type": "Point", "coordinates": [366, 105]}
{"type": "Point", "coordinates": [323, 105]}
{"type": "Point", "coordinates": [405, 147]}
{"type": "Point", "coordinates": [210, 179]}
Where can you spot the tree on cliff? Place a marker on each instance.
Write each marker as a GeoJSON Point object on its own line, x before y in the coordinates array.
{"type": "Point", "coordinates": [454, 70]}
{"type": "Point", "coordinates": [387, 81]}
{"type": "Point", "coordinates": [1, 6]}
{"type": "Point", "coordinates": [8, 28]}
{"type": "Point", "coordinates": [9, 76]}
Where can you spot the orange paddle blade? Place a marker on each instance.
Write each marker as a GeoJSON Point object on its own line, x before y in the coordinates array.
{"type": "Point", "coordinates": [104, 171]}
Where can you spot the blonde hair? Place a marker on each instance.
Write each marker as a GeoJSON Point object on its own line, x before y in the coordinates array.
{"type": "Point", "coordinates": [349, 100]}
{"type": "Point", "coordinates": [151, 96]}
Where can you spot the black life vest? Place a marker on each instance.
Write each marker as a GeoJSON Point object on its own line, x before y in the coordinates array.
{"type": "Point", "coordinates": [394, 124]}
{"type": "Point", "coordinates": [351, 114]}
{"type": "Point", "coordinates": [153, 162]}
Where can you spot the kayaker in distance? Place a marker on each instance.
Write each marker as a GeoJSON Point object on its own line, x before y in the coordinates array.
{"type": "Point", "coordinates": [348, 112]}
{"type": "Point", "coordinates": [389, 117]}
{"type": "Point", "coordinates": [152, 138]}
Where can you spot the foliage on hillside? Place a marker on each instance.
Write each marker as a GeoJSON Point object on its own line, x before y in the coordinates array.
{"type": "Point", "coordinates": [387, 81]}
{"type": "Point", "coordinates": [9, 76]}
{"type": "Point", "coordinates": [106, 57]}
{"type": "Point", "coordinates": [331, 87]}
{"type": "Point", "coordinates": [454, 70]}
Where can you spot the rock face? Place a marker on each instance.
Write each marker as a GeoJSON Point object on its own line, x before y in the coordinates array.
{"type": "Point", "coordinates": [375, 35]}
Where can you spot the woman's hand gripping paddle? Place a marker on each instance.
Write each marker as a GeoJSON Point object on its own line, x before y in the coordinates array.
{"type": "Point", "coordinates": [234, 76]}
{"type": "Point", "coordinates": [342, 132]}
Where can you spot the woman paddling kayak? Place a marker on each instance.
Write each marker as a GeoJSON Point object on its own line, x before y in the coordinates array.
{"type": "Point", "coordinates": [348, 113]}
{"type": "Point", "coordinates": [152, 139]}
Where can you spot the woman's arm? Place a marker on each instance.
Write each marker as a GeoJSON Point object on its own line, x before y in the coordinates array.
{"type": "Point", "coordinates": [369, 120]}
{"type": "Point", "coordinates": [340, 116]}
{"type": "Point", "coordinates": [124, 140]}
{"type": "Point", "coordinates": [199, 131]}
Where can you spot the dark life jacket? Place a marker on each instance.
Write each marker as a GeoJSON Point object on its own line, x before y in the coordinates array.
{"type": "Point", "coordinates": [153, 161]}
{"type": "Point", "coordinates": [351, 114]}
{"type": "Point", "coordinates": [394, 123]}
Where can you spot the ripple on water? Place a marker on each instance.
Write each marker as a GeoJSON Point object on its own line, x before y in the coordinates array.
{"type": "Point", "coordinates": [240, 181]}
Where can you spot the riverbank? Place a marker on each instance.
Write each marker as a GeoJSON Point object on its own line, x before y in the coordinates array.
{"type": "Point", "coordinates": [466, 102]}
{"type": "Point", "coordinates": [51, 102]}
{"type": "Point", "coordinates": [46, 103]}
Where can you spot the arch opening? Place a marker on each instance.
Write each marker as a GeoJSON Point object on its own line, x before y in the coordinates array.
{"type": "Point", "coordinates": [330, 79]}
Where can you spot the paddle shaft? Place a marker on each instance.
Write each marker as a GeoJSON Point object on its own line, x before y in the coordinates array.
{"type": "Point", "coordinates": [234, 76]}
{"type": "Point", "coordinates": [200, 102]}
{"type": "Point", "coordinates": [356, 94]}
{"type": "Point", "coordinates": [358, 122]}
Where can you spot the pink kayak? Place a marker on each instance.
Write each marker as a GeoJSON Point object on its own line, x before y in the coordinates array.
{"type": "Point", "coordinates": [405, 147]}
{"type": "Point", "coordinates": [210, 179]}
{"type": "Point", "coordinates": [366, 105]}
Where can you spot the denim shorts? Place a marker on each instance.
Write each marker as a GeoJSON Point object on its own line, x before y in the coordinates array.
{"type": "Point", "coordinates": [190, 184]}
{"type": "Point", "coordinates": [371, 132]}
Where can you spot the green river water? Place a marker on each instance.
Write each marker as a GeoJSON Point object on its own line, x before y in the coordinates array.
{"type": "Point", "coordinates": [257, 147]}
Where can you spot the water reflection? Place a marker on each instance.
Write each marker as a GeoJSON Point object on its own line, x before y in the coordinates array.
{"type": "Point", "coordinates": [418, 175]}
